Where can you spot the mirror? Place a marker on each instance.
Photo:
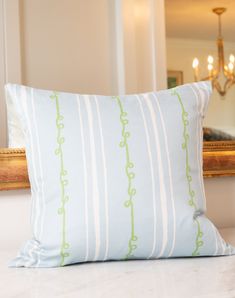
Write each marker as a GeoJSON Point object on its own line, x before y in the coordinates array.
{"type": "Point", "coordinates": [192, 31]}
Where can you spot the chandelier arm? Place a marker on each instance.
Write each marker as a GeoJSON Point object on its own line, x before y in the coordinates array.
{"type": "Point", "coordinates": [228, 84]}
{"type": "Point", "coordinates": [217, 86]}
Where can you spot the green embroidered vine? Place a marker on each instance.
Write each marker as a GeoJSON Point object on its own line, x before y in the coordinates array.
{"type": "Point", "coordinates": [63, 182]}
{"type": "Point", "coordinates": [191, 201]}
{"type": "Point", "coordinates": [130, 176]}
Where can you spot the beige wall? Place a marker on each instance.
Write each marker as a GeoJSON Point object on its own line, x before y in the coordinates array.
{"type": "Point", "coordinates": [220, 194]}
{"type": "Point", "coordinates": [180, 54]}
{"type": "Point", "coordinates": [67, 45]}
{"type": "Point", "coordinates": [74, 45]}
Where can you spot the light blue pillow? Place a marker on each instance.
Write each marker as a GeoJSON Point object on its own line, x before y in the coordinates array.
{"type": "Point", "coordinates": [115, 177]}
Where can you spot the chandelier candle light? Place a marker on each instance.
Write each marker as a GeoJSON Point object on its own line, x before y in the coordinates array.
{"type": "Point", "coordinates": [222, 70]}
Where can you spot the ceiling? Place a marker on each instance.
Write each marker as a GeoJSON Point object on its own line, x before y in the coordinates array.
{"type": "Point", "coordinates": [194, 19]}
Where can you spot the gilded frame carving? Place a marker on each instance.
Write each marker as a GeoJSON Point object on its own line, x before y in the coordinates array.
{"type": "Point", "coordinates": [13, 169]}
{"type": "Point", "coordinates": [219, 159]}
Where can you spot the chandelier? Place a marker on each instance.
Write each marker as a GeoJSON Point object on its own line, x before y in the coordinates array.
{"type": "Point", "coordinates": [215, 73]}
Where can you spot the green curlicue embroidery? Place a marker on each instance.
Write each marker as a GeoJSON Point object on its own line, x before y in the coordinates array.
{"type": "Point", "coordinates": [191, 201]}
{"type": "Point", "coordinates": [130, 176]}
{"type": "Point", "coordinates": [63, 182]}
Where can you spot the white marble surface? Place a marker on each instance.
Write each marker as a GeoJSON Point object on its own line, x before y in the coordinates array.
{"type": "Point", "coordinates": [184, 278]}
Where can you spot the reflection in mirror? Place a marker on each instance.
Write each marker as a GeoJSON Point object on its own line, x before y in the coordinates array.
{"type": "Point", "coordinates": [192, 31]}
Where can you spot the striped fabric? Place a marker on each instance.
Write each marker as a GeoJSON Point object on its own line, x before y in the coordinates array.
{"type": "Point", "coordinates": [115, 177]}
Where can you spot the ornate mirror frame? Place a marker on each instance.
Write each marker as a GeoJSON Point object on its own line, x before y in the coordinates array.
{"type": "Point", "coordinates": [13, 169]}
{"type": "Point", "coordinates": [218, 160]}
